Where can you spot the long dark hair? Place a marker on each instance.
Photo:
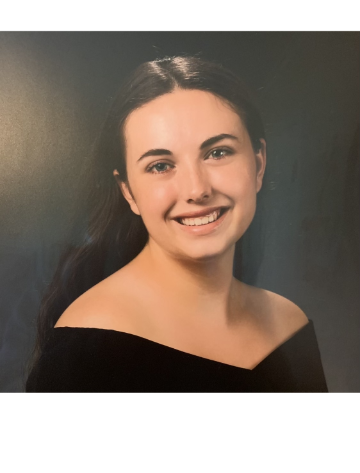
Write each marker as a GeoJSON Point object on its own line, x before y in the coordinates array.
{"type": "Point", "coordinates": [114, 234]}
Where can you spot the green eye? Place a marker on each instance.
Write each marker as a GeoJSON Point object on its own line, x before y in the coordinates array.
{"type": "Point", "coordinates": [219, 153]}
{"type": "Point", "coordinates": [158, 168]}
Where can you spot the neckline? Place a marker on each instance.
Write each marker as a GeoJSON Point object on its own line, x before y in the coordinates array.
{"type": "Point", "coordinates": [187, 354]}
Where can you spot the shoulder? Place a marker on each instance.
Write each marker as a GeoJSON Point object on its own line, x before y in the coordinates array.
{"type": "Point", "coordinates": [287, 317]}
{"type": "Point", "coordinates": [279, 314]}
{"type": "Point", "coordinates": [104, 306]}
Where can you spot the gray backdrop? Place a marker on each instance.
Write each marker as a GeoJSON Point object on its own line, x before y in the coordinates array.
{"type": "Point", "coordinates": [55, 89]}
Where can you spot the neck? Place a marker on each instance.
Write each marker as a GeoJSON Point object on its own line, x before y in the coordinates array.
{"type": "Point", "coordinates": [205, 288]}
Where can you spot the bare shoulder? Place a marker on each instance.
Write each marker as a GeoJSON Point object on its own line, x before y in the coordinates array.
{"type": "Point", "coordinates": [281, 314]}
{"type": "Point", "coordinates": [105, 306]}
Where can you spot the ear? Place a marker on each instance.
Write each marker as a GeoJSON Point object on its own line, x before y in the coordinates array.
{"type": "Point", "coordinates": [260, 157]}
{"type": "Point", "coordinates": [126, 192]}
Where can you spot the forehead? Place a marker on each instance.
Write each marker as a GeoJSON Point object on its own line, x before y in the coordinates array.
{"type": "Point", "coordinates": [182, 115]}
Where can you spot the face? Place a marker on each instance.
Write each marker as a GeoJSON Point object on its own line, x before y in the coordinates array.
{"type": "Point", "coordinates": [188, 153]}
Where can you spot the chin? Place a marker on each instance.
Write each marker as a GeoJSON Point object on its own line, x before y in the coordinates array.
{"type": "Point", "coordinates": [203, 254]}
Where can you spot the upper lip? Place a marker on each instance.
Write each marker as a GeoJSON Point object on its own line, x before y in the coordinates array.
{"type": "Point", "coordinates": [200, 213]}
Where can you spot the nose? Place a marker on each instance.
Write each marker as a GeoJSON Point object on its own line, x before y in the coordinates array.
{"type": "Point", "coordinates": [194, 183]}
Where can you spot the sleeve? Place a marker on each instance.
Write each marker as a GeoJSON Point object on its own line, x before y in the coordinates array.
{"type": "Point", "coordinates": [74, 360]}
{"type": "Point", "coordinates": [296, 366]}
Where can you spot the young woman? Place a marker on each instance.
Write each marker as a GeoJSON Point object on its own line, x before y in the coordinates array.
{"type": "Point", "coordinates": [149, 301]}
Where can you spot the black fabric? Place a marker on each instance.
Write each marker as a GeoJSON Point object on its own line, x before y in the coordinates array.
{"type": "Point", "coordinates": [97, 360]}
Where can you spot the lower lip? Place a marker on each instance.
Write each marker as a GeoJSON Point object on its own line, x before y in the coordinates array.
{"type": "Point", "coordinates": [203, 229]}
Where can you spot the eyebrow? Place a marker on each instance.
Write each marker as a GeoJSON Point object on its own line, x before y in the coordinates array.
{"type": "Point", "coordinates": [205, 144]}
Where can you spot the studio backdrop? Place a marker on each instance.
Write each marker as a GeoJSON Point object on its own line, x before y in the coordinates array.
{"type": "Point", "coordinates": [55, 89]}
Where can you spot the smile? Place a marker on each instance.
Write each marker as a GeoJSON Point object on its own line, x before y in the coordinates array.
{"type": "Point", "coordinates": [201, 220]}
{"type": "Point", "coordinates": [205, 220]}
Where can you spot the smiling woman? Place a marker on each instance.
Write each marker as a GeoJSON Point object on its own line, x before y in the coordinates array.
{"type": "Point", "coordinates": [149, 301]}
{"type": "Point", "coordinates": [190, 129]}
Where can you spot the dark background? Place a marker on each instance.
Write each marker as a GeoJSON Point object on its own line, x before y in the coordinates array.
{"type": "Point", "coordinates": [55, 88]}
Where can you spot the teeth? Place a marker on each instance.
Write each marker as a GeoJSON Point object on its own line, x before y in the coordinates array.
{"type": "Point", "coordinates": [201, 221]}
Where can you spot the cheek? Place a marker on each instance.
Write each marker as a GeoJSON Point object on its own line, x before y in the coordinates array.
{"type": "Point", "coordinates": [237, 183]}
{"type": "Point", "coordinates": [156, 199]}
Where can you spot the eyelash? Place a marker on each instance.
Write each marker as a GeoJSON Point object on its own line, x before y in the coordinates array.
{"type": "Point", "coordinates": [150, 168]}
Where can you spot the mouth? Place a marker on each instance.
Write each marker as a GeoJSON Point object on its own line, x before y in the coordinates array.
{"type": "Point", "coordinates": [204, 220]}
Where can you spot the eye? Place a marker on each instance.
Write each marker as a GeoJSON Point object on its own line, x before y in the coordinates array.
{"type": "Point", "coordinates": [220, 153]}
{"type": "Point", "coordinates": [158, 168]}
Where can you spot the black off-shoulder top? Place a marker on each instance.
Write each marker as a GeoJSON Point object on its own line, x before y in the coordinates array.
{"type": "Point", "coordinates": [99, 360]}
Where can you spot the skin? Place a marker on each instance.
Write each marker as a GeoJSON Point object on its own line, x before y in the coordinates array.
{"type": "Point", "coordinates": [189, 297]}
